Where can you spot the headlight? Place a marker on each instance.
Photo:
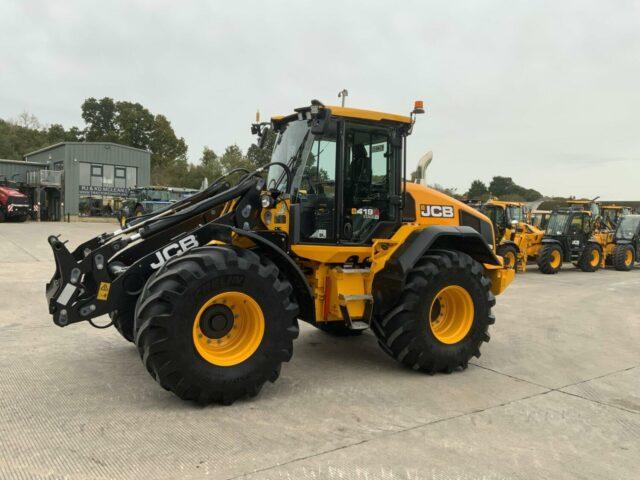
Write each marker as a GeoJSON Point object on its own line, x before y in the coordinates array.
{"type": "Point", "coordinates": [266, 201]}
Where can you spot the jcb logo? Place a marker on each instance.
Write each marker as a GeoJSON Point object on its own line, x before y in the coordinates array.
{"type": "Point", "coordinates": [439, 211]}
{"type": "Point", "coordinates": [178, 248]}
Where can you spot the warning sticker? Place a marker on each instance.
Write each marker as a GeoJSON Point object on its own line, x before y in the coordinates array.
{"type": "Point", "coordinates": [103, 291]}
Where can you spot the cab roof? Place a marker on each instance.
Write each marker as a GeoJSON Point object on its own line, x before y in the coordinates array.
{"type": "Point", "coordinates": [356, 113]}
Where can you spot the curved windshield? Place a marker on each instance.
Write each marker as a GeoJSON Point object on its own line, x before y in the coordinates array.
{"type": "Point", "coordinates": [515, 213]}
{"type": "Point", "coordinates": [291, 145]}
{"type": "Point", "coordinates": [557, 223]}
{"type": "Point", "coordinates": [628, 227]}
{"type": "Point", "coordinates": [495, 214]}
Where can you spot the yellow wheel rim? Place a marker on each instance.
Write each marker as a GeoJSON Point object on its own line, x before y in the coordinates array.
{"type": "Point", "coordinates": [556, 258]}
{"type": "Point", "coordinates": [628, 259]}
{"type": "Point", "coordinates": [228, 329]}
{"type": "Point", "coordinates": [595, 257]}
{"type": "Point", "coordinates": [451, 314]}
{"type": "Point", "coordinates": [509, 259]}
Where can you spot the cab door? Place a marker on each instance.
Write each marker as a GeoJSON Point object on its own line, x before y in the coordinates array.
{"type": "Point", "coordinates": [370, 183]}
{"type": "Point", "coordinates": [578, 232]}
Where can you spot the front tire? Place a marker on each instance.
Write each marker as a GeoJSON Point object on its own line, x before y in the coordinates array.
{"type": "Point", "coordinates": [443, 315]}
{"type": "Point", "coordinates": [123, 323]}
{"type": "Point", "coordinates": [550, 259]}
{"type": "Point", "coordinates": [624, 257]}
{"type": "Point", "coordinates": [591, 258]}
{"type": "Point", "coordinates": [509, 254]}
{"type": "Point", "coordinates": [215, 324]}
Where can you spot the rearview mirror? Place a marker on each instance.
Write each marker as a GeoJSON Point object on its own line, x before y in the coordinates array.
{"type": "Point", "coordinates": [262, 138]}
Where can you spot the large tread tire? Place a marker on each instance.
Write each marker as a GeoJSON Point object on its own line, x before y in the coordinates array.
{"type": "Point", "coordinates": [509, 253]}
{"type": "Point", "coordinates": [168, 305]}
{"type": "Point", "coordinates": [123, 323]}
{"type": "Point", "coordinates": [405, 333]}
{"type": "Point", "coordinates": [338, 329]}
{"type": "Point", "coordinates": [620, 257]}
{"type": "Point", "coordinates": [585, 260]}
{"type": "Point", "coordinates": [544, 260]}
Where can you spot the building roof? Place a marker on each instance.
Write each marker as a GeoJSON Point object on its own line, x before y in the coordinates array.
{"type": "Point", "coordinates": [22, 162]}
{"type": "Point", "coordinates": [56, 145]}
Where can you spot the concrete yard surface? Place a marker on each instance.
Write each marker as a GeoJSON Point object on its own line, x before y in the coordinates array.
{"type": "Point", "coordinates": [555, 394]}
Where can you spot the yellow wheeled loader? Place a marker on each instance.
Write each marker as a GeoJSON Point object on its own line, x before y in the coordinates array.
{"type": "Point", "coordinates": [518, 240]}
{"type": "Point", "coordinates": [211, 288]}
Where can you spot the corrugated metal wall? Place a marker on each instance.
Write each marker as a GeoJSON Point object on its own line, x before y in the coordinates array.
{"type": "Point", "coordinates": [9, 168]}
{"type": "Point", "coordinates": [72, 154]}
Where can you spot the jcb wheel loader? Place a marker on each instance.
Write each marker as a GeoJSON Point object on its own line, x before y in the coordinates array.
{"type": "Point", "coordinates": [518, 241]}
{"type": "Point", "coordinates": [211, 288]}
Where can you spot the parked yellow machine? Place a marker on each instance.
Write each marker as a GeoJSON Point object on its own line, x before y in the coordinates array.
{"type": "Point", "coordinates": [539, 218]}
{"type": "Point", "coordinates": [211, 288]}
{"type": "Point", "coordinates": [518, 240]}
{"type": "Point", "coordinates": [576, 234]}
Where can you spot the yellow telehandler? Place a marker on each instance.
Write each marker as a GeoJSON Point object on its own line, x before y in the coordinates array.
{"type": "Point", "coordinates": [518, 240]}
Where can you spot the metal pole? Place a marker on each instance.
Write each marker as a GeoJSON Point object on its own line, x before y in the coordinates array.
{"type": "Point", "coordinates": [343, 95]}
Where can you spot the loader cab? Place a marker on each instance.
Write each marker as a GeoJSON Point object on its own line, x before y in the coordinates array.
{"type": "Point", "coordinates": [612, 214]}
{"type": "Point", "coordinates": [503, 214]}
{"type": "Point", "coordinates": [572, 228]}
{"type": "Point", "coordinates": [345, 185]}
{"type": "Point", "coordinates": [540, 219]}
{"type": "Point", "coordinates": [628, 231]}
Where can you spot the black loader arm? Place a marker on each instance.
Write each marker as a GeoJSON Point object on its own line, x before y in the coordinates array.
{"type": "Point", "coordinates": [108, 272]}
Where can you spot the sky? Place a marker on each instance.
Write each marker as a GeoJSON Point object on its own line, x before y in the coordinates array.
{"type": "Point", "coordinates": [545, 92]}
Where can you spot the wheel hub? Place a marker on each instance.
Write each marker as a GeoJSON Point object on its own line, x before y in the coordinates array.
{"type": "Point", "coordinates": [451, 314]}
{"type": "Point", "coordinates": [216, 321]}
{"type": "Point", "coordinates": [228, 328]}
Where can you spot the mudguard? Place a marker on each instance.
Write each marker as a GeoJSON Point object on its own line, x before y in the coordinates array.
{"type": "Point", "coordinates": [389, 282]}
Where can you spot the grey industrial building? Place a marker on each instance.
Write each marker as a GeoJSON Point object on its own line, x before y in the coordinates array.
{"type": "Point", "coordinates": [73, 179]}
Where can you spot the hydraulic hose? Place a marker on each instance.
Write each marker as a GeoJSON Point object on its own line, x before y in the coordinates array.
{"type": "Point", "coordinates": [196, 209]}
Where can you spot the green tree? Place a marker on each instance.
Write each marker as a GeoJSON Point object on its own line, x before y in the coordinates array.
{"type": "Point", "coordinates": [233, 158]}
{"type": "Point", "coordinates": [261, 156]}
{"type": "Point", "coordinates": [478, 190]}
{"type": "Point", "coordinates": [100, 118]}
{"type": "Point", "coordinates": [134, 125]}
{"type": "Point", "coordinates": [165, 147]}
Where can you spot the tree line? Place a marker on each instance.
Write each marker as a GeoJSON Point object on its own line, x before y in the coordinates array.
{"type": "Point", "coordinates": [128, 123]}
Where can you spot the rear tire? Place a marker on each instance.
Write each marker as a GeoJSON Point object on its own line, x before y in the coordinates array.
{"type": "Point", "coordinates": [550, 259]}
{"type": "Point", "coordinates": [624, 257]}
{"type": "Point", "coordinates": [591, 258]}
{"type": "Point", "coordinates": [509, 253]}
{"type": "Point", "coordinates": [411, 334]}
{"type": "Point", "coordinates": [187, 356]}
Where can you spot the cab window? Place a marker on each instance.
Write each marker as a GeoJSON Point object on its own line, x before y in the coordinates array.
{"type": "Point", "coordinates": [369, 181]}
{"type": "Point", "coordinates": [317, 191]}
